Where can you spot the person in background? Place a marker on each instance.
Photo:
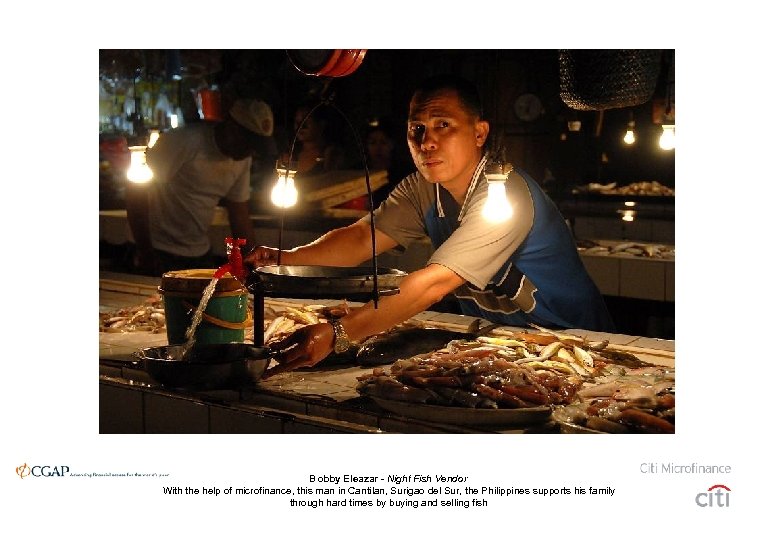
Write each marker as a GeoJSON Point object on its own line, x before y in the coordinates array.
{"type": "Point", "coordinates": [318, 148]}
{"type": "Point", "coordinates": [195, 168]}
{"type": "Point", "coordinates": [380, 147]}
{"type": "Point", "coordinates": [383, 154]}
{"type": "Point", "coordinates": [523, 270]}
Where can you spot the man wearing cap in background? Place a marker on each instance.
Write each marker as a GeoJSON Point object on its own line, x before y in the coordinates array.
{"type": "Point", "coordinates": [196, 168]}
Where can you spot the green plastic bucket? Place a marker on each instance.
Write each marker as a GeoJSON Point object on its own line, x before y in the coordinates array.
{"type": "Point", "coordinates": [225, 317]}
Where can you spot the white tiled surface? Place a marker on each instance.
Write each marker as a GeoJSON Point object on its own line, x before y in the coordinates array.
{"type": "Point", "coordinates": [114, 398]}
{"type": "Point", "coordinates": [314, 388]}
{"type": "Point", "coordinates": [229, 420]}
{"type": "Point", "coordinates": [605, 272]}
{"type": "Point", "coordinates": [669, 283]}
{"type": "Point", "coordinates": [164, 414]}
{"type": "Point", "coordinates": [121, 346]}
{"type": "Point", "coordinates": [631, 277]}
{"type": "Point", "coordinates": [654, 343]}
{"type": "Point", "coordinates": [643, 279]}
{"type": "Point", "coordinates": [450, 319]}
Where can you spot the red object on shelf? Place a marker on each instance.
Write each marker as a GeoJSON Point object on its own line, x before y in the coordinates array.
{"type": "Point", "coordinates": [114, 150]}
{"type": "Point", "coordinates": [358, 203]}
{"type": "Point", "coordinates": [209, 104]}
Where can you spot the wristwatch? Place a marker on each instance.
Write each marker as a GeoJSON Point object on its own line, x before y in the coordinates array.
{"type": "Point", "coordinates": [341, 343]}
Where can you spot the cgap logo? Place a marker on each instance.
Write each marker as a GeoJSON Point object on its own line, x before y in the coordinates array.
{"type": "Point", "coordinates": [714, 496]}
{"type": "Point", "coordinates": [25, 470]}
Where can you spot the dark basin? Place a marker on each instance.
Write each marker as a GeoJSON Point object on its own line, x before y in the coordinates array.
{"type": "Point", "coordinates": [206, 367]}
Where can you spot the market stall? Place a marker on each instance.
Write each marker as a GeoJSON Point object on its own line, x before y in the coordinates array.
{"type": "Point", "coordinates": [328, 397]}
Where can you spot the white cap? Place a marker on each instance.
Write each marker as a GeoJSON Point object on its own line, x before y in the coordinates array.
{"type": "Point", "coordinates": [254, 115]}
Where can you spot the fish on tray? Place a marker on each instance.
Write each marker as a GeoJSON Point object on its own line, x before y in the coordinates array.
{"type": "Point", "coordinates": [405, 341]}
{"type": "Point", "coordinates": [402, 341]}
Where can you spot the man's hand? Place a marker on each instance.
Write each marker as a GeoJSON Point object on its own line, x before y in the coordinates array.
{"type": "Point", "coordinates": [261, 256]}
{"type": "Point", "coordinates": [305, 347]}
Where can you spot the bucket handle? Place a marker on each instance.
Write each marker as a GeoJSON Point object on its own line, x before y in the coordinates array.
{"type": "Point", "coordinates": [219, 322]}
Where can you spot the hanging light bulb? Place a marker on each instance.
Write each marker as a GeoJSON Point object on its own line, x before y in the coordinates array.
{"type": "Point", "coordinates": [284, 194]}
{"type": "Point", "coordinates": [629, 137]}
{"type": "Point", "coordinates": [138, 172]}
{"type": "Point", "coordinates": [153, 136]}
{"type": "Point", "coordinates": [497, 207]}
{"type": "Point", "coordinates": [666, 141]}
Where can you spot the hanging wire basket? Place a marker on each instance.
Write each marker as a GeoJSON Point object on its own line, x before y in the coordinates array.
{"type": "Point", "coordinates": [598, 79]}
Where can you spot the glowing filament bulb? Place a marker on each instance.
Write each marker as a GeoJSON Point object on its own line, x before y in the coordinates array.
{"type": "Point", "coordinates": [629, 138]}
{"type": "Point", "coordinates": [497, 207]}
{"type": "Point", "coordinates": [666, 142]}
{"type": "Point", "coordinates": [138, 172]}
{"type": "Point", "coordinates": [153, 136]}
{"type": "Point", "coordinates": [284, 194]}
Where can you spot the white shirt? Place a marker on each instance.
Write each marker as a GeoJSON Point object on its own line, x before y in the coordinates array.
{"type": "Point", "coordinates": [191, 175]}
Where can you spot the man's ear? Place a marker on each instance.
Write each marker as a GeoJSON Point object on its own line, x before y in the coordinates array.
{"type": "Point", "coordinates": [482, 129]}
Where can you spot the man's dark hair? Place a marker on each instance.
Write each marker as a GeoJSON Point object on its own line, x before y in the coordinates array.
{"type": "Point", "coordinates": [465, 90]}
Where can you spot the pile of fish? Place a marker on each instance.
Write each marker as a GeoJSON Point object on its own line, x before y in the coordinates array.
{"type": "Point", "coordinates": [636, 249]}
{"type": "Point", "coordinates": [468, 374]}
{"type": "Point", "coordinates": [515, 371]}
{"type": "Point", "coordinates": [589, 384]}
{"type": "Point", "coordinates": [639, 400]}
{"type": "Point", "coordinates": [146, 317]}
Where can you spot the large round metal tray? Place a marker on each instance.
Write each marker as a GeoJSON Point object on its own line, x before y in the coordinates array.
{"type": "Point", "coordinates": [298, 281]}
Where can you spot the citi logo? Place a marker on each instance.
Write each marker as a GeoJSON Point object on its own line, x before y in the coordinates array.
{"type": "Point", "coordinates": [25, 470]}
{"type": "Point", "coordinates": [714, 496]}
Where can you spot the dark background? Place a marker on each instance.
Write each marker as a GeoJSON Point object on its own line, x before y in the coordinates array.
{"type": "Point", "coordinates": [382, 85]}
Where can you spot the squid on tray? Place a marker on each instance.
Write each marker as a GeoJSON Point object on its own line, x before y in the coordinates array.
{"type": "Point", "coordinates": [587, 383]}
{"type": "Point", "coordinates": [471, 374]}
{"type": "Point", "coordinates": [639, 400]}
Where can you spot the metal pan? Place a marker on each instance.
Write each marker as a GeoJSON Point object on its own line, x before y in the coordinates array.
{"type": "Point", "coordinates": [206, 367]}
{"type": "Point", "coordinates": [316, 282]}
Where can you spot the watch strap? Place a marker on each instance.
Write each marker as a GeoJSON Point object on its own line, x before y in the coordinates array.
{"type": "Point", "coordinates": [341, 341]}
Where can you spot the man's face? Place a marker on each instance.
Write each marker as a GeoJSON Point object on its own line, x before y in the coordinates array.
{"type": "Point", "coordinates": [311, 131]}
{"type": "Point", "coordinates": [445, 139]}
{"type": "Point", "coordinates": [237, 141]}
{"type": "Point", "coordinates": [380, 149]}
